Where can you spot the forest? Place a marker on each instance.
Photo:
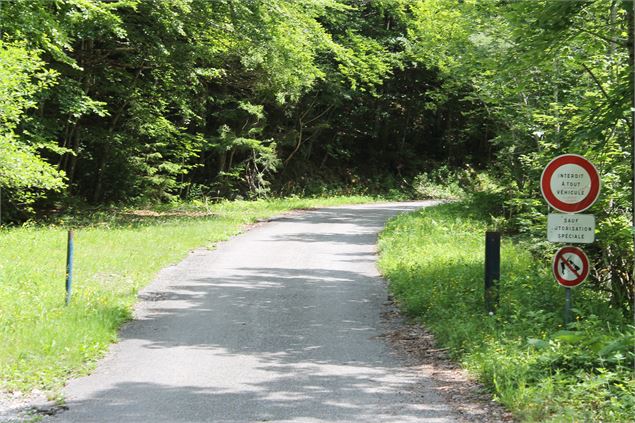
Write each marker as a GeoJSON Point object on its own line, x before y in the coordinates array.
{"type": "Point", "coordinates": [113, 104]}
{"type": "Point", "coordinates": [133, 102]}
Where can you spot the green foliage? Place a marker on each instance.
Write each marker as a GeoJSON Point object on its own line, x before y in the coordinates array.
{"type": "Point", "coordinates": [538, 368]}
{"type": "Point", "coordinates": [555, 77]}
{"type": "Point", "coordinates": [22, 168]}
{"type": "Point", "coordinates": [443, 182]}
{"type": "Point", "coordinates": [155, 98]}
{"type": "Point", "coordinates": [581, 110]}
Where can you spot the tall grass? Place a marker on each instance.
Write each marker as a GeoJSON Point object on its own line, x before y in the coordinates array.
{"type": "Point", "coordinates": [116, 253]}
{"type": "Point", "coordinates": [537, 367]}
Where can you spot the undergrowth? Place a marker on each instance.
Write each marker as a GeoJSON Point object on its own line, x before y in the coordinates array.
{"type": "Point", "coordinates": [534, 365]}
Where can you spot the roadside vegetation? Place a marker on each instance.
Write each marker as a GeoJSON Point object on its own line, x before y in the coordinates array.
{"type": "Point", "coordinates": [536, 366]}
{"type": "Point", "coordinates": [116, 253]}
{"type": "Point", "coordinates": [128, 102]}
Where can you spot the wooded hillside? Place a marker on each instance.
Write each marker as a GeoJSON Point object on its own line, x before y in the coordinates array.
{"type": "Point", "coordinates": [130, 101]}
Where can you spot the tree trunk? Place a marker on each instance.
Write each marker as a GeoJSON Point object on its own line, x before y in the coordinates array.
{"type": "Point", "coordinates": [222, 159]}
{"type": "Point", "coordinates": [74, 157]}
{"type": "Point", "coordinates": [100, 178]}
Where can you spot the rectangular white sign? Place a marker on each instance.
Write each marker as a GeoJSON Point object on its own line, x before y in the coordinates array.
{"type": "Point", "coordinates": [571, 228]}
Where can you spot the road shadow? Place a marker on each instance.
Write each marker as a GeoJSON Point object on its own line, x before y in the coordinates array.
{"type": "Point", "coordinates": [309, 339]}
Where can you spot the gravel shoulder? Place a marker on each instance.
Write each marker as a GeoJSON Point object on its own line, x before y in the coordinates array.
{"type": "Point", "coordinates": [470, 399]}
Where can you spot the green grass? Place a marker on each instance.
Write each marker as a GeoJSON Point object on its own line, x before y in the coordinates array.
{"type": "Point", "coordinates": [539, 369]}
{"type": "Point", "coordinates": [116, 253]}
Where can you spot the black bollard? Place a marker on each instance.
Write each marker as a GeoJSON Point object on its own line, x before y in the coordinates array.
{"type": "Point", "coordinates": [492, 269]}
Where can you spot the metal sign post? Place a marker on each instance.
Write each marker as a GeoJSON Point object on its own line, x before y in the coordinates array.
{"type": "Point", "coordinates": [69, 266]}
{"type": "Point", "coordinates": [570, 184]}
{"type": "Point", "coordinates": [567, 306]}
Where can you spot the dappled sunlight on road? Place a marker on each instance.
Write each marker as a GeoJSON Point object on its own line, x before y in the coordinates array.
{"type": "Point", "coordinates": [280, 324]}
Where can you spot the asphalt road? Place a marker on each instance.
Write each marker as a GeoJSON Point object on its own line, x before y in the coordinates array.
{"type": "Point", "coordinates": [280, 324]}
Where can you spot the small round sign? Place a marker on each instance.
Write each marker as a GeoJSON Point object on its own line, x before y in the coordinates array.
{"type": "Point", "coordinates": [570, 183]}
{"type": "Point", "coordinates": [570, 266]}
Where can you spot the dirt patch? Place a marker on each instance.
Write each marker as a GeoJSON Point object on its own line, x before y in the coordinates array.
{"type": "Point", "coordinates": [417, 346]}
{"type": "Point", "coordinates": [16, 407]}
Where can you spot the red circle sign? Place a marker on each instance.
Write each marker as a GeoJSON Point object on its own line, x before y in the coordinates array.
{"type": "Point", "coordinates": [570, 183]}
{"type": "Point", "coordinates": [570, 266]}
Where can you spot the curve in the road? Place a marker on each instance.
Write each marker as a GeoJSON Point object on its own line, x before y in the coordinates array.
{"type": "Point", "coordinates": [279, 324]}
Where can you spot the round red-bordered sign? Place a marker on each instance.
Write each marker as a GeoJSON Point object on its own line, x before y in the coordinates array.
{"type": "Point", "coordinates": [570, 266]}
{"type": "Point", "coordinates": [570, 183]}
